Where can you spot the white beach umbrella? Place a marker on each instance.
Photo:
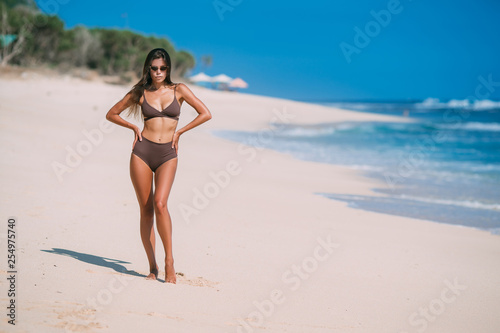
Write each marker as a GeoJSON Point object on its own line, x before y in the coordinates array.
{"type": "Point", "coordinates": [238, 83]}
{"type": "Point", "coordinates": [222, 78]}
{"type": "Point", "coordinates": [201, 77]}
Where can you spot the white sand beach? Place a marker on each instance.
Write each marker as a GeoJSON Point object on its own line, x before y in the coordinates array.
{"type": "Point", "coordinates": [256, 250]}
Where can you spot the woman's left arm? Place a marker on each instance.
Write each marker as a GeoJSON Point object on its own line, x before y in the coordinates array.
{"type": "Point", "coordinates": [203, 112]}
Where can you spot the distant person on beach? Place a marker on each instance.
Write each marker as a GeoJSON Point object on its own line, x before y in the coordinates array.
{"type": "Point", "coordinates": [154, 151]}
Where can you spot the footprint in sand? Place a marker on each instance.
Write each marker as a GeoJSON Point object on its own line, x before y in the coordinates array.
{"type": "Point", "coordinates": [198, 281]}
{"type": "Point", "coordinates": [70, 316]}
{"type": "Point", "coordinates": [181, 279]}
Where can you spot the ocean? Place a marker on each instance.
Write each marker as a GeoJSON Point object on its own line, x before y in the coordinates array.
{"type": "Point", "coordinates": [443, 165]}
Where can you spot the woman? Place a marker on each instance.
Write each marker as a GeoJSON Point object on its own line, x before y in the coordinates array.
{"type": "Point", "coordinates": [154, 152]}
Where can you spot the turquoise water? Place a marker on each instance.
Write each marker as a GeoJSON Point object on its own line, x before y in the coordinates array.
{"type": "Point", "coordinates": [442, 166]}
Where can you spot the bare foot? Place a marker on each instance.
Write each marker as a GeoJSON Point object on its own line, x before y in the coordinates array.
{"type": "Point", "coordinates": [153, 275]}
{"type": "Point", "coordinates": [170, 272]}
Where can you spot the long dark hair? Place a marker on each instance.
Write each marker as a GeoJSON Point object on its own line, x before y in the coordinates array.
{"type": "Point", "coordinates": [145, 83]}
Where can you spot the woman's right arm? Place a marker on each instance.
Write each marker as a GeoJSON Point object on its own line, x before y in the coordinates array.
{"type": "Point", "coordinates": [113, 115]}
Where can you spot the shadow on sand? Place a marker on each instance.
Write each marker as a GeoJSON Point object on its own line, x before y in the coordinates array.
{"type": "Point", "coordinates": [114, 264]}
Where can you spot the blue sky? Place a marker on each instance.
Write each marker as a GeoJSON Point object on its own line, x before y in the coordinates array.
{"type": "Point", "coordinates": [292, 49]}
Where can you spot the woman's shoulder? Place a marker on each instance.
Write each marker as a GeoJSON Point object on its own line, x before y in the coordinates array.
{"type": "Point", "coordinates": [182, 87]}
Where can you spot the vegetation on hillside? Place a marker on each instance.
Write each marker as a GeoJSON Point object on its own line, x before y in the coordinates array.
{"type": "Point", "coordinates": [29, 37]}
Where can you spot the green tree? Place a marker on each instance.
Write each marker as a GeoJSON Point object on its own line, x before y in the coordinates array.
{"type": "Point", "coordinates": [206, 61]}
{"type": "Point", "coordinates": [14, 3]}
{"type": "Point", "coordinates": [42, 39]}
{"type": "Point", "coordinates": [79, 47]}
{"type": "Point", "coordinates": [184, 61]}
{"type": "Point", "coordinates": [13, 32]}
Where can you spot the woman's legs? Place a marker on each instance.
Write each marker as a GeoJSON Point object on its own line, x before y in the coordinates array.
{"type": "Point", "coordinates": [164, 178]}
{"type": "Point", "coordinates": [142, 179]}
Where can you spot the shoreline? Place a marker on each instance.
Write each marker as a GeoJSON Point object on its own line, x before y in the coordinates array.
{"type": "Point", "coordinates": [261, 237]}
{"type": "Point", "coordinates": [375, 191]}
{"type": "Point", "coordinates": [380, 196]}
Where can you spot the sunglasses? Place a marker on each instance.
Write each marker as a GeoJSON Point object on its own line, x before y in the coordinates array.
{"type": "Point", "coordinates": [155, 68]}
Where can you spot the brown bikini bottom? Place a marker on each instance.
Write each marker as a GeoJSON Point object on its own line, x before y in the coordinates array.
{"type": "Point", "coordinates": [154, 153]}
